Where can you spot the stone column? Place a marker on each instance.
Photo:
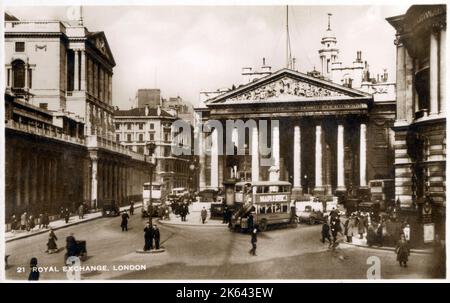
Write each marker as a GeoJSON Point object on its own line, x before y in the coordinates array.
{"type": "Point", "coordinates": [318, 173]}
{"type": "Point", "coordinates": [275, 169]}
{"type": "Point", "coordinates": [214, 159]}
{"type": "Point", "coordinates": [434, 74]}
{"type": "Point", "coordinates": [94, 197]}
{"type": "Point", "coordinates": [442, 72]}
{"type": "Point", "coordinates": [401, 82]}
{"type": "Point", "coordinates": [202, 161]}
{"type": "Point", "coordinates": [76, 84]}
{"type": "Point", "coordinates": [18, 173]}
{"type": "Point", "coordinates": [83, 70]}
{"type": "Point", "coordinates": [362, 156]}
{"type": "Point", "coordinates": [340, 159]}
{"type": "Point", "coordinates": [297, 189]}
{"type": "Point", "coordinates": [255, 154]}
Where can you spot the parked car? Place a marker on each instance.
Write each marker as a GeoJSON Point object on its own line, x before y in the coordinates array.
{"type": "Point", "coordinates": [217, 210]}
{"type": "Point", "coordinates": [310, 216]}
{"type": "Point", "coordinates": [110, 208]}
{"type": "Point", "coordinates": [208, 195]}
{"type": "Point", "coordinates": [369, 207]}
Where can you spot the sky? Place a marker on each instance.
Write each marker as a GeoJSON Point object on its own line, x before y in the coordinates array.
{"type": "Point", "coordinates": [187, 49]}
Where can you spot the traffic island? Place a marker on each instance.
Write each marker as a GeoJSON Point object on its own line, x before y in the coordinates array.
{"type": "Point", "coordinates": [151, 251]}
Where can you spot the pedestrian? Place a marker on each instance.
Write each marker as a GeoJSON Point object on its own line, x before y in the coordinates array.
{"type": "Point", "coordinates": [361, 226]}
{"type": "Point", "coordinates": [380, 233]}
{"type": "Point", "coordinates": [81, 211]}
{"type": "Point", "coordinates": [13, 223]}
{"type": "Point", "coordinates": [250, 221]}
{"type": "Point", "coordinates": [34, 270]}
{"type": "Point", "coordinates": [225, 214]}
{"type": "Point", "coordinates": [148, 237]}
{"type": "Point", "coordinates": [124, 223]}
{"type": "Point", "coordinates": [41, 220]}
{"type": "Point", "coordinates": [46, 220]}
{"type": "Point", "coordinates": [31, 223]}
{"type": "Point", "coordinates": [402, 251]}
{"type": "Point", "coordinates": [335, 229]}
{"type": "Point", "coordinates": [167, 214]}
{"type": "Point", "coordinates": [293, 211]}
{"type": "Point", "coordinates": [71, 246]}
{"type": "Point", "coordinates": [439, 258]}
{"type": "Point", "coordinates": [371, 235]}
{"type": "Point", "coordinates": [62, 213]}
{"type": "Point", "coordinates": [52, 247]}
{"type": "Point", "coordinates": [326, 232]}
{"type": "Point", "coordinates": [132, 207]}
{"type": "Point", "coordinates": [253, 241]}
{"type": "Point", "coordinates": [156, 236]}
{"type": "Point", "coordinates": [348, 229]}
{"type": "Point", "coordinates": [67, 215]}
{"type": "Point", "coordinates": [203, 215]}
{"type": "Point", "coordinates": [23, 221]}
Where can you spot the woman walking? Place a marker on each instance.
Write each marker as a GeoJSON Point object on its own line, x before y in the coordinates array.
{"type": "Point", "coordinates": [52, 247]}
{"type": "Point", "coordinates": [402, 251]}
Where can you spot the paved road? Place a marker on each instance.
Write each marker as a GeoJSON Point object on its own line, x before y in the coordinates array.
{"type": "Point", "coordinates": [209, 253]}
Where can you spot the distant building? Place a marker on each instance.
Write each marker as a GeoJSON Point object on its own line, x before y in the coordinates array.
{"type": "Point", "coordinates": [59, 132]}
{"type": "Point", "coordinates": [420, 125]}
{"type": "Point", "coordinates": [138, 126]}
{"type": "Point", "coordinates": [149, 97]}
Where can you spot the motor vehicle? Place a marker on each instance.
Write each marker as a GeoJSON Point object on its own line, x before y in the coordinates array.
{"type": "Point", "coordinates": [208, 195]}
{"type": "Point", "coordinates": [267, 200]}
{"type": "Point", "coordinates": [158, 197]}
{"type": "Point", "coordinates": [180, 192]}
{"type": "Point", "coordinates": [311, 216]}
{"type": "Point", "coordinates": [110, 208]}
{"type": "Point", "coordinates": [217, 210]}
{"type": "Point", "coordinates": [382, 190]}
{"type": "Point", "coordinates": [369, 207]}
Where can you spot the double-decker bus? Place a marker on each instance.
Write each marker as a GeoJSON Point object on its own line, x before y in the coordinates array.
{"type": "Point", "coordinates": [269, 201]}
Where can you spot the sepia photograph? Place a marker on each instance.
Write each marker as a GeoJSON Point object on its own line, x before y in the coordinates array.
{"type": "Point", "coordinates": [281, 141]}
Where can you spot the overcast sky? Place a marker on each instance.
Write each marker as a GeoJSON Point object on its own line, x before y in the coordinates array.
{"type": "Point", "coordinates": [186, 49]}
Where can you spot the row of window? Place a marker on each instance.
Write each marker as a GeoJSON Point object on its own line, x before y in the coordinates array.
{"type": "Point", "coordinates": [129, 137]}
{"type": "Point", "coordinates": [129, 125]}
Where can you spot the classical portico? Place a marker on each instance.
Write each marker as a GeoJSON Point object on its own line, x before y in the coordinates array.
{"type": "Point", "coordinates": [317, 134]}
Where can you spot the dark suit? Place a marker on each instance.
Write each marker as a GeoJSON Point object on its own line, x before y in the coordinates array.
{"type": "Point", "coordinates": [124, 223]}
{"type": "Point", "coordinates": [157, 237]}
{"type": "Point", "coordinates": [148, 236]}
{"type": "Point", "coordinates": [253, 241]}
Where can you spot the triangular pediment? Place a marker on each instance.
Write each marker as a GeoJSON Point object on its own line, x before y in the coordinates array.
{"type": "Point", "coordinates": [286, 86]}
{"type": "Point", "coordinates": [100, 43]}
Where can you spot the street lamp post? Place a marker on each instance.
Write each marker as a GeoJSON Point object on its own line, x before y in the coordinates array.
{"type": "Point", "coordinates": [151, 149]}
{"type": "Point", "coordinates": [193, 166]}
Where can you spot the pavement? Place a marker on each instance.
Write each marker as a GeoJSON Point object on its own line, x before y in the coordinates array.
{"type": "Point", "coordinates": [194, 217]}
{"type": "Point", "coordinates": [356, 241]}
{"type": "Point", "coordinates": [58, 224]}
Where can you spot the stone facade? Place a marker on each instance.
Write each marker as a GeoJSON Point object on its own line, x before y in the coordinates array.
{"type": "Point", "coordinates": [420, 126]}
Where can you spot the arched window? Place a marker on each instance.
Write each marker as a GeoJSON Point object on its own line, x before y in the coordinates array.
{"type": "Point", "coordinates": [18, 68]}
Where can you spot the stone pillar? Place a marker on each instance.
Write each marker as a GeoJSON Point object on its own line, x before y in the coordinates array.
{"type": "Point", "coordinates": [434, 74]}
{"type": "Point", "coordinates": [340, 159]}
{"type": "Point", "coordinates": [442, 72]}
{"type": "Point", "coordinates": [401, 83]}
{"type": "Point", "coordinates": [297, 189]}
{"type": "Point", "coordinates": [362, 156]}
{"type": "Point", "coordinates": [255, 154]}
{"type": "Point", "coordinates": [214, 159]}
{"type": "Point", "coordinates": [76, 84]}
{"type": "Point", "coordinates": [202, 161]}
{"type": "Point", "coordinates": [18, 173]}
{"type": "Point", "coordinates": [275, 169]}
{"type": "Point", "coordinates": [94, 197]}
{"type": "Point", "coordinates": [318, 173]}
{"type": "Point", "coordinates": [83, 71]}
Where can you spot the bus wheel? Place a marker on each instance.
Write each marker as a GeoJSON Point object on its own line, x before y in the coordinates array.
{"type": "Point", "coordinates": [263, 225]}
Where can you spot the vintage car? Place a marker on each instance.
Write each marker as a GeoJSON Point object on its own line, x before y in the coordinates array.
{"type": "Point", "coordinates": [110, 208]}
{"type": "Point", "coordinates": [217, 210]}
{"type": "Point", "coordinates": [208, 195]}
{"type": "Point", "coordinates": [310, 216]}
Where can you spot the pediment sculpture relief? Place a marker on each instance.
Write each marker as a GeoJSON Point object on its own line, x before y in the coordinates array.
{"type": "Point", "coordinates": [286, 86]}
